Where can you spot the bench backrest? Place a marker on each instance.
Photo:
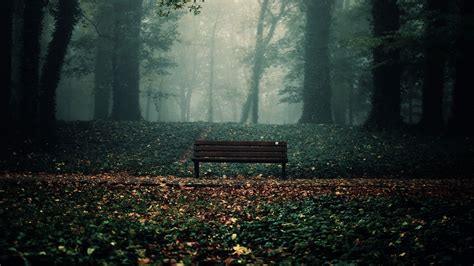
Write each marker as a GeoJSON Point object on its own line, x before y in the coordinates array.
{"type": "Point", "coordinates": [240, 151]}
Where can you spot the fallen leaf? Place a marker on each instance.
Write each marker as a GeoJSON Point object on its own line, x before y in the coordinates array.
{"type": "Point", "coordinates": [90, 251]}
{"type": "Point", "coordinates": [240, 250]}
{"type": "Point", "coordinates": [143, 261]}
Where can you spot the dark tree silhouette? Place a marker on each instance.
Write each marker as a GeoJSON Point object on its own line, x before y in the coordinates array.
{"type": "Point", "coordinates": [463, 94]}
{"type": "Point", "coordinates": [386, 69]}
{"type": "Point", "coordinates": [126, 72]}
{"type": "Point", "coordinates": [65, 18]}
{"type": "Point", "coordinates": [434, 64]}
{"type": "Point", "coordinates": [6, 15]}
{"type": "Point", "coordinates": [30, 64]}
{"type": "Point", "coordinates": [317, 82]}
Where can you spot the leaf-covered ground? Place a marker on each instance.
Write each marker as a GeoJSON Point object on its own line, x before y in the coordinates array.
{"type": "Point", "coordinates": [122, 219]}
{"type": "Point", "coordinates": [121, 193]}
{"type": "Point", "coordinates": [319, 151]}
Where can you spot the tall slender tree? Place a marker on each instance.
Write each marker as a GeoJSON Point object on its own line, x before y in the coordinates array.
{"type": "Point", "coordinates": [30, 64]}
{"type": "Point", "coordinates": [212, 51]}
{"type": "Point", "coordinates": [434, 64]}
{"type": "Point", "coordinates": [6, 59]}
{"type": "Point", "coordinates": [103, 61]}
{"type": "Point", "coordinates": [66, 16]}
{"type": "Point", "coordinates": [251, 105]}
{"type": "Point", "coordinates": [126, 71]}
{"type": "Point", "coordinates": [463, 94]}
{"type": "Point", "coordinates": [317, 82]}
{"type": "Point", "coordinates": [386, 69]}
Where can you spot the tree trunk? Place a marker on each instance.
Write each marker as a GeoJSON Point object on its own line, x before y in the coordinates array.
{"type": "Point", "coordinates": [189, 93]}
{"type": "Point", "coordinates": [29, 69]}
{"type": "Point", "coordinates": [386, 70]}
{"type": "Point", "coordinates": [339, 103]}
{"type": "Point", "coordinates": [410, 105]}
{"type": "Point", "coordinates": [148, 106]}
{"type": "Point", "coordinates": [126, 73]}
{"type": "Point", "coordinates": [434, 65]}
{"type": "Point", "coordinates": [251, 104]}
{"type": "Point", "coordinates": [192, 84]}
{"type": "Point", "coordinates": [262, 41]}
{"type": "Point", "coordinates": [255, 88]}
{"type": "Point", "coordinates": [65, 20]}
{"type": "Point", "coordinates": [188, 108]}
{"type": "Point", "coordinates": [6, 28]}
{"type": "Point", "coordinates": [350, 105]}
{"type": "Point", "coordinates": [317, 82]}
{"type": "Point", "coordinates": [103, 62]}
{"type": "Point", "coordinates": [210, 110]}
{"type": "Point", "coordinates": [463, 93]}
{"type": "Point", "coordinates": [246, 109]}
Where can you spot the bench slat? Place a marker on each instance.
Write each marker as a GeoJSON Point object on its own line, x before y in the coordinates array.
{"type": "Point", "coordinates": [240, 160]}
{"type": "Point", "coordinates": [239, 143]}
{"type": "Point", "coordinates": [240, 148]}
{"type": "Point", "coordinates": [240, 154]}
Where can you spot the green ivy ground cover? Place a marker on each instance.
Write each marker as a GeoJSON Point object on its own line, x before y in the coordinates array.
{"type": "Point", "coordinates": [97, 147]}
{"type": "Point", "coordinates": [89, 223]}
{"type": "Point", "coordinates": [64, 218]}
{"type": "Point", "coordinates": [321, 151]}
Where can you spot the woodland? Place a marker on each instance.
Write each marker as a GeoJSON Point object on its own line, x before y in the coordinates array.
{"type": "Point", "coordinates": [103, 100]}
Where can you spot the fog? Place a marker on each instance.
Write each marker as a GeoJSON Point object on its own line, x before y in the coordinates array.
{"type": "Point", "coordinates": [207, 66]}
{"type": "Point", "coordinates": [249, 132]}
{"type": "Point", "coordinates": [346, 62]}
{"type": "Point", "coordinates": [205, 53]}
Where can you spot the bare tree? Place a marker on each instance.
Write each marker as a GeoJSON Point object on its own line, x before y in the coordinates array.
{"type": "Point", "coordinates": [263, 39]}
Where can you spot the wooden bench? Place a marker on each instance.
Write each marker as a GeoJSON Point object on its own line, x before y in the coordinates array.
{"type": "Point", "coordinates": [240, 152]}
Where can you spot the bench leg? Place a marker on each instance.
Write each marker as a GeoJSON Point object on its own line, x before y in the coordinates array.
{"type": "Point", "coordinates": [196, 169]}
{"type": "Point", "coordinates": [283, 170]}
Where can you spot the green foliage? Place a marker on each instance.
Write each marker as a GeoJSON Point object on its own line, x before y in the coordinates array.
{"type": "Point", "coordinates": [158, 34]}
{"type": "Point", "coordinates": [289, 52]}
{"type": "Point", "coordinates": [314, 151]}
{"type": "Point", "coordinates": [363, 230]}
{"type": "Point", "coordinates": [166, 7]}
{"type": "Point", "coordinates": [86, 223]}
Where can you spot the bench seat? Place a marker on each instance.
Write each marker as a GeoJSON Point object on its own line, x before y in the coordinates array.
{"type": "Point", "coordinates": [240, 152]}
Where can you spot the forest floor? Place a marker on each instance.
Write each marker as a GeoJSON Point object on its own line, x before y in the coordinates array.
{"type": "Point", "coordinates": [123, 219]}
{"type": "Point", "coordinates": [314, 151]}
{"type": "Point", "coordinates": [120, 193]}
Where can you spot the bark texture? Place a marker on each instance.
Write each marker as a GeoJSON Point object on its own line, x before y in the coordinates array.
{"type": "Point", "coordinates": [434, 65]}
{"type": "Point", "coordinates": [126, 65]}
{"type": "Point", "coordinates": [463, 95]}
{"type": "Point", "coordinates": [65, 19]}
{"type": "Point", "coordinates": [317, 81]}
{"type": "Point", "coordinates": [386, 69]}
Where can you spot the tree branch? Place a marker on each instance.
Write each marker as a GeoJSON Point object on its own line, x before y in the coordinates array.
{"type": "Point", "coordinates": [96, 28]}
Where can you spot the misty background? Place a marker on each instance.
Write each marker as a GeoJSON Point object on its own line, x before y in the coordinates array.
{"type": "Point", "coordinates": [384, 64]}
{"type": "Point", "coordinates": [199, 67]}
